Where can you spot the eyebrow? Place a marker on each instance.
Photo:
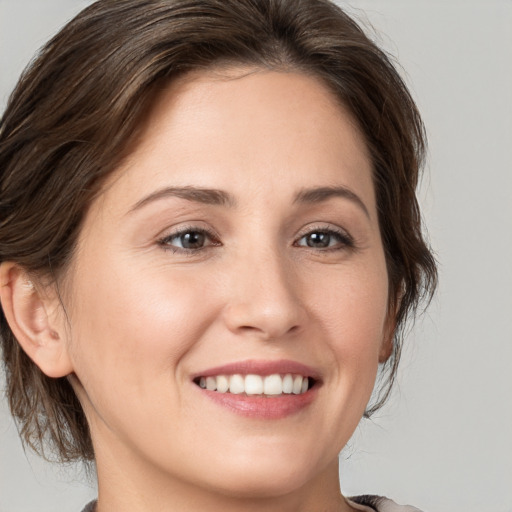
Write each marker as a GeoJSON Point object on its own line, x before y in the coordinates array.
{"type": "Point", "coordinates": [190, 193]}
{"type": "Point", "coordinates": [320, 194]}
{"type": "Point", "coordinates": [223, 198]}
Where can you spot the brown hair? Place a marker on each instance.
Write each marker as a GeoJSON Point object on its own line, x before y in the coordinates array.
{"type": "Point", "coordinates": [82, 99]}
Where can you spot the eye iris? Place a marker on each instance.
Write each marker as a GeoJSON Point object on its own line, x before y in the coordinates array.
{"type": "Point", "coordinates": [319, 240]}
{"type": "Point", "coordinates": [192, 240]}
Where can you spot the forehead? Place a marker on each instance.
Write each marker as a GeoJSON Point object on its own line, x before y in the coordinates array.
{"type": "Point", "coordinates": [240, 128]}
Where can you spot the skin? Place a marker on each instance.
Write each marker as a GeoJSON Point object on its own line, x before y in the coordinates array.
{"type": "Point", "coordinates": [144, 315]}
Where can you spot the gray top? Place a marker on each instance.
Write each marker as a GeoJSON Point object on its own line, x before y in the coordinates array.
{"type": "Point", "coordinates": [365, 503]}
{"type": "Point", "coordinates": [379, 504]}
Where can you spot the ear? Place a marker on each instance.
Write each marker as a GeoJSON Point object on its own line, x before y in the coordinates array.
{"type": "Point", "coordinates": [35, 318]}
{"type": "Point", "coordinates": [386, 348]}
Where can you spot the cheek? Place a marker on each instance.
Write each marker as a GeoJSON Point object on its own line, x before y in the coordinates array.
{"type": "Point", "coordinates": [355, 307]}
{"type": "Point", "coordinates": [134, 324]}
{"type": "Point", "coordinates": [353, 315]}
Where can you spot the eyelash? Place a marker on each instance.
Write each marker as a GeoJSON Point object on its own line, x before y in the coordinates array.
{"type": "Point", "coordinates": [164, 242]}
{"type": "Point", "coordinates": [345, 241]}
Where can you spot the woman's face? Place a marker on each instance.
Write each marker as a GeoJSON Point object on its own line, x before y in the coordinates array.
{"type": "Point", "coordinates": [238, 245]}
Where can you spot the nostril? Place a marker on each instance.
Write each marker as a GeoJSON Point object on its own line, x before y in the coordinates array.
{"type": "Point", "coordinates": [268, 333]}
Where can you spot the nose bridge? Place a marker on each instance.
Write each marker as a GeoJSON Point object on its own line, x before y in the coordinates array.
{"type": "Point", "coordinates": [264, 298]}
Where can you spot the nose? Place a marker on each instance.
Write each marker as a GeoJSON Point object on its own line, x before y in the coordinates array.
{"type": "Point", "coordinates": [264, 299]}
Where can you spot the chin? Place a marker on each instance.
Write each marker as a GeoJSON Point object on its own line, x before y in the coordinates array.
{"type": "Point", "coordinates": [264, 474]}
{"type": "Point", "coordinates": [255, 484]}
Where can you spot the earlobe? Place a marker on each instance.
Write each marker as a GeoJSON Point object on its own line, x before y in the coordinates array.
{"type": "Point", "coordinates": [386, 348]}
{"type": "Point", "coordinates": [33, 318]}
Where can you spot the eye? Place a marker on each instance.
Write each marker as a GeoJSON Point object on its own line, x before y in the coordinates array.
{"type": "Point", "coordinates": [189, 239]}
{"type": "Point", "coordinates": [325, 239]}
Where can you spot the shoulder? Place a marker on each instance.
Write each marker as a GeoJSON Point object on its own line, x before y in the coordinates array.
{"type": "Point", "coordinates": [381, 504]}
{"type": "Point", "coordinates": [90, 507]}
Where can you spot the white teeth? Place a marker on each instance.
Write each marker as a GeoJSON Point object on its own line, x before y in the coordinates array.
{"type": "Point", "coordinates": [211, 383]}
{"type": "Point", "coordinates": [236, 384]}
{"type": "Point", "coordinates": [222, 384]}
{"type": "Point", "coordinates": [273, 385]}
{"type": "Point", "coordinates": [270, 385]}
{"type": "Point", "coordinates": [297, 385]}
{"type": "Point", "coordinates": [253, 385]}
{"type": "Point", "coordinates": [288, 383]}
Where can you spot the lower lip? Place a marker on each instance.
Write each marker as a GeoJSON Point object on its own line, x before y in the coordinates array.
{"type": "Point", "coordinates": [270, 408]}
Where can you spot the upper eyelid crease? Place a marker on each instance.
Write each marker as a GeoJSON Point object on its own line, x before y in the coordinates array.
{"type": "Point", "coordinates": [342, 234]}
{"type": "Point", "coordinates": [194, 229]}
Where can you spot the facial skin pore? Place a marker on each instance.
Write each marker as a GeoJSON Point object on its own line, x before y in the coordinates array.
{"type": "Point", "coordinates": [241, 230]}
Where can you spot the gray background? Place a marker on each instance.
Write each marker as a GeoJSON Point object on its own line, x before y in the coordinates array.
{"type": "Point", "coordinates": [444, 443]}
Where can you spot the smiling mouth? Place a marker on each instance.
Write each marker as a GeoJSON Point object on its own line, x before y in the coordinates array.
{"type": "Point", "coordinates": [270, 386]}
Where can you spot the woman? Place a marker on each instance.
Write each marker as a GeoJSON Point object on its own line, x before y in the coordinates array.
{"type": "Point", "coordinates": [210, 242]}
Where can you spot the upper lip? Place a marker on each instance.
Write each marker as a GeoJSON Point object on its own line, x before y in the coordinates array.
{"type": "Point", "coordinates": [260, 367]}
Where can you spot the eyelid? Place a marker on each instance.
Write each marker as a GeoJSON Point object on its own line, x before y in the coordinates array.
{"type": "Point", "coordinates": [183, 229]}
{"type": "Point", "coordinates": [348, 239]}
{"type": "Point", "coordinates": [324, 227]}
